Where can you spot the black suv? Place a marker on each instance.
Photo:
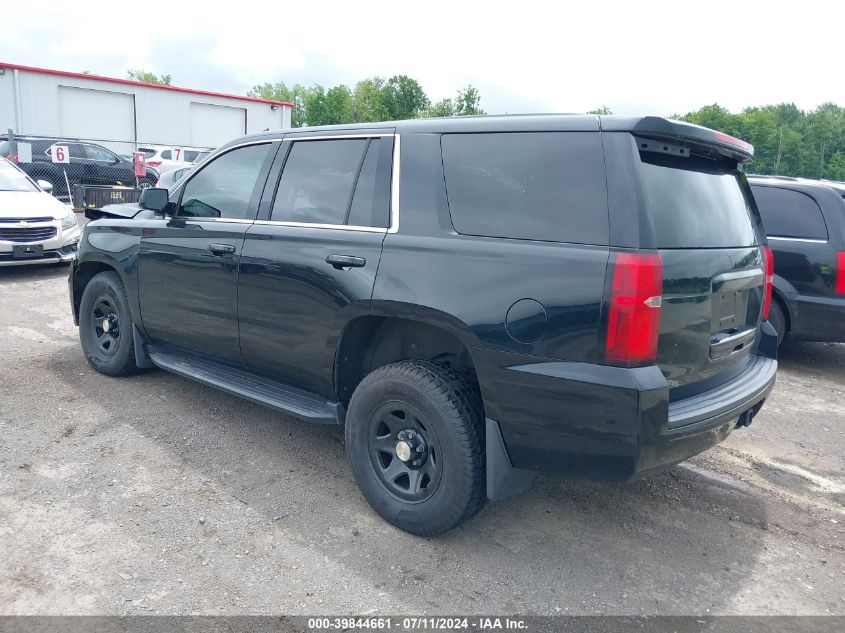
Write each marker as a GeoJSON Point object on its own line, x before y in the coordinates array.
{"type": "Point", "coordinates": [90, 164]}
{"type": "Point", "coordinates": [805, 223]}
{"type": "Point", "coordinates": [475, 299]}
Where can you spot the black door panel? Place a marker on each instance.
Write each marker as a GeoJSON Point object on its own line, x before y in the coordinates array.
{"type": "Point", "coordinates": [188, 270]}
{"type": "Point", "coordinates": [292, 303]}
{"type": "Point", "coordinates": [189, 293]}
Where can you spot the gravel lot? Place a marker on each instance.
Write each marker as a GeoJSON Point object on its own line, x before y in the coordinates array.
{"type": "Point", "coordinates": [154, 494]}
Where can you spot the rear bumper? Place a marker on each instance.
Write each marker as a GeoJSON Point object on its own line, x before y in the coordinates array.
{"type": "Point", "coordinates": [819, 319]}
{"type": "Point", "coordinates": [612, 423]}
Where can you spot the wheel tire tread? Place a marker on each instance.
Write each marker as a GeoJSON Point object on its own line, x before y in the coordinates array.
{"type": "Point", "coordinates": [459, 401]}
{"type": "Point", "coordinates": [128, 366]}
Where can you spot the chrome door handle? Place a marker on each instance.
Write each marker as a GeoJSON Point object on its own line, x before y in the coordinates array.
{"type": "Point", "coordinates": [221, 249]}
{"type": "Point", "coordinates": [345, 261]}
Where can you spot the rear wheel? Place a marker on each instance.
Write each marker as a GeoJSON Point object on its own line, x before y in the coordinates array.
{"type": "Point", "coordinates": [105, 326]}
{"type": "Point", "coordinates": [777, 317]}
{"type": "Point", "coordinates": [414, 439]}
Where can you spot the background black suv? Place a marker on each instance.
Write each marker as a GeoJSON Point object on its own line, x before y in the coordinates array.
{"type": "Point", "coordinates": [474, 298]}
{"type": "Point", "coordinates": [90, 164]}
{"type": "Point", "coordinates": [805, 223]}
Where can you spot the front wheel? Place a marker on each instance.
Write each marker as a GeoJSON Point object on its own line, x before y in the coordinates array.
{"type": "Point", "coordinates": [415, 443]}
{"type": "Point", "coordinates": [105, 326]}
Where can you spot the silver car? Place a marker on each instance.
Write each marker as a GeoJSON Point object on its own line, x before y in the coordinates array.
{"type": "Point", "coordinates": [35, 227]}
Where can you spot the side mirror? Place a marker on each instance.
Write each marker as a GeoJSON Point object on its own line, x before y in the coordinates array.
{"type": "Point", "coordinates": [154, 199]}
{"type": "Point", "coordinates": [45, 186]}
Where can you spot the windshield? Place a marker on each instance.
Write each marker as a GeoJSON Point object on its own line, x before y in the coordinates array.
{"type": "Point", "coordinates": [697, 203]}
{"type": "Point", "coordinates": [12, 179]}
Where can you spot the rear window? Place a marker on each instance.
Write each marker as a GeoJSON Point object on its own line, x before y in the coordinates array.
{"type": "Point", "coordinates": [788, 213]}
{"type": "Point", "coordinates": [546, 186]}
{"type": "Point", "coordinates": [696, 202]}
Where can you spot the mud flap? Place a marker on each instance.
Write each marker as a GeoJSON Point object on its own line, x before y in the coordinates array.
{"type": "Point", "coordinates": [142, 359]}
{"type": "Point", "coordinates": [503, 480]}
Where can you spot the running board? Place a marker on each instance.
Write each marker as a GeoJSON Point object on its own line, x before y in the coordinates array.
{"type": "Point", "coordinates": [270, 393]}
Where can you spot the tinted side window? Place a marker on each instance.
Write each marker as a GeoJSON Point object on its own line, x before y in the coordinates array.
{"type": "Point", "coordinates": [537, 186]}
{"type": "Point", "coordinates": [225, 186]}
{"type": "Point", "coordinates": [371, 201]}
{"type": "Point", "coordinates": [788, 213]}
{"type": "Point", "coordinates": [317, 181]}
{"type": "Point", "coordinates": [166, 154]}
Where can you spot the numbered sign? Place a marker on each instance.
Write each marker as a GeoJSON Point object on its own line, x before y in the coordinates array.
{"type": "Point", "coordinates": [178, 153]}
{"type": "Point", "coordinates": [60, 154]}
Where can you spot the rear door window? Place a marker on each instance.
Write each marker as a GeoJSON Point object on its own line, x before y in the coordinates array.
{"type": "Point", "coordinates": [335, 182]}
{"type": "Point", "coordinates": [696, 202]}
{"type": "Point", "coordinates": [788, 213]}
{"type": "Point", "coordinates": [546, 186]}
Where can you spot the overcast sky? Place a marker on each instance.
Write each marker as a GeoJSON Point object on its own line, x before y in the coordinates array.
{"type": "Point", "coordinates": [635, 57]}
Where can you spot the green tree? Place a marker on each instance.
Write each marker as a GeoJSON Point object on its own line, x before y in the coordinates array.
{"type": "Point", "coordinates": [442, 108]}
{"type": "Point", "coordinates": [280, 91]}
{"type": "Point", "coordinates": [338, 105]}
{"type": "Point", "coordinates": [603, 110]}
{"type": "Point", "coordinates": [372, 99]}
{"type": "Point", "coordinates": [368, 103]}
{"type": "Point", "coordinates": [147, 77]}
{"type": "Point", "coordinates": [787, 141]}
{"type": "Point", "coordinates": [403, 98]}
{"type": "Point", "coordinates": [466, 103]}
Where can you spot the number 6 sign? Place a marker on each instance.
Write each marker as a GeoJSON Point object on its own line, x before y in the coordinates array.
{"type": "Point", "coordinates": [59, 154]}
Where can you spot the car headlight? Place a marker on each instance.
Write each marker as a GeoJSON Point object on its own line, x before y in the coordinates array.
{"type": "Point", "coordinates": [69, 221]}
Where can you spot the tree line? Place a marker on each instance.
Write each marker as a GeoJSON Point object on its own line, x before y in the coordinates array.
{"type": "Point", "coordinates": [372, 99]}
{"type": "Point", "coordinates": [787, 141]}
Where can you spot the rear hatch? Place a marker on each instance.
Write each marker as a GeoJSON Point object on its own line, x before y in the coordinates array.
{"type": "Point", "coordinates": [698, 212]}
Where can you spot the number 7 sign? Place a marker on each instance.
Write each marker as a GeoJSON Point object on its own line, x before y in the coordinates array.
{"type": "Point", "coordinates": [59, 154]}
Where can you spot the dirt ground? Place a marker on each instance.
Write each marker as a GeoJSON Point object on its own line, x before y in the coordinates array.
{"type": "Point", "coordinates": [153, 494]}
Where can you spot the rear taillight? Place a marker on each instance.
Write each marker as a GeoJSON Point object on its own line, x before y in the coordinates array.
{"type": "Point", "coordinates": [633, 320]}
{"type": "Point", "coordinates": [840, 273]}
{"type": "Point", "coordinates": [770, 278]}
{"type": "Point", "coordinates": [154, 163]}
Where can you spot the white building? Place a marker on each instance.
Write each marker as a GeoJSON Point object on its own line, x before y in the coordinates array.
{"type": "Point", "coordinates": [44, 102]}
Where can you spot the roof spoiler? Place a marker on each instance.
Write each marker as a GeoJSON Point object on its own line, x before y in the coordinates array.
{"type": "Point", "coordinates": [658, 127]}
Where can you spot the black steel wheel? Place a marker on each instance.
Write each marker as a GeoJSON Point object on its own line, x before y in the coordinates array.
{"type": "Point", "coordinates": [415, 443]}
{"type": "Point", "coordinates": [105, 326]}
{"type": "Point", "coordinates": [404, 451]}
{"type": "Point", "coordinates": [105, 322]}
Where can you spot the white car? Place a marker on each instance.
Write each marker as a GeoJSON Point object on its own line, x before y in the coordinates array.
{"type": "Point", "coordinates": [167, 158]}
{"type": "Point", "coordinates": [35, 227]}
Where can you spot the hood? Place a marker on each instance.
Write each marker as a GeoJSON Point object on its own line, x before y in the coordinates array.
{"type": "Point", "coordinates": [31, 204]}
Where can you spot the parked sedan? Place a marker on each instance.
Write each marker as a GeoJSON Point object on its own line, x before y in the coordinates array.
{"type": "Point", "coordinates": [35, 228]}
{"type": "Point", "coordinates": [89, 164]}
